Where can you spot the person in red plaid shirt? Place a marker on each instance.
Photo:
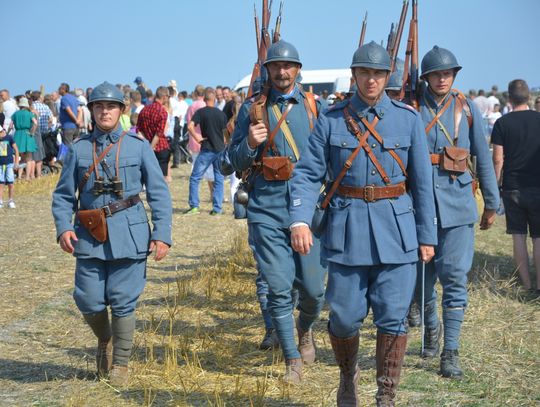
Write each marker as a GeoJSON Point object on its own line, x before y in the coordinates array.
{"type": "Point", "coordinates": [151, 123]}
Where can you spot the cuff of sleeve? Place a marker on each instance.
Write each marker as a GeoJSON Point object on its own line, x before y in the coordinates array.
{"type": "Point", "coordinates": [62, 229]}
{"type": "Point", "coordinates": [164, 237]}
{"type": "Point", "coordinates": [296, 224]}
{"type": "Point", "coordinates": [252, 151]}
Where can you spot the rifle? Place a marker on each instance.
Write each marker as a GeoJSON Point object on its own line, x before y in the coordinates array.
{"type": "Point", "coordinates": [276, 35]}
{"type": "Point", "coordinates": [391, 40]}
{"type": "Point", "coordinates": [410, 72]}
{"type": "Point", "coordinates": [363, 32]}
{"type": "Point", "coordinates": [399, 32]}
{"type": "Point", "coordinates": [263, 42]}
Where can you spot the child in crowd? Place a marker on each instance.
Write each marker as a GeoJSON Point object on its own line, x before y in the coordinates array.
{"type": "Point", "coordinates": [8, 148]}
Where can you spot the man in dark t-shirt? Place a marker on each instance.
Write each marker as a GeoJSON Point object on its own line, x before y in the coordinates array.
{"type": "Point", "coordinates": [516, 152]}
{"type": "Point", "coordinates": [212, 121]}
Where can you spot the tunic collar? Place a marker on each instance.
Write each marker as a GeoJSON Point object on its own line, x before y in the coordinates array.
{"type": "Point", "coordinates": [101, 137]}
{"type": "Point", "coordinates": [277, 97]}
{"type": "Point", "coordinates": [362, 108]}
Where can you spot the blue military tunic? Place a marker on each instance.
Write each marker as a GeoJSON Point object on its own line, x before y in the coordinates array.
{"type": "Point", "coordinates": [455, 202]}
{"type": "Point", "coordinates": [269, 201]}
{"type": "Point", "coordinates": [359, 233]}
{"type": "Point", "coordinates": [128, 230]}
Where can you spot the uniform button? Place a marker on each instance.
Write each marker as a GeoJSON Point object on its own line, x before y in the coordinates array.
{"type": "Point", "coordinates": [108, 154]}
{"type": "Point", "coordinates": [373, 172]}
{"type": "Point", "coordinates": [437, 186]}
{"type": "Point", "coordinates": [287, 121]}
{"type": "Point", "coordinates": [381, 114]}
{"type": "Point", "coordinates": [396, 145]}
{"type": "Point", "coordinates": [343, 144]}
{"type": "Point", "coordinates": [373, 145]}
{"type": "Point", "coordinates": [290, 157]}
{"type": "Point", "coordinates": [440, 149]}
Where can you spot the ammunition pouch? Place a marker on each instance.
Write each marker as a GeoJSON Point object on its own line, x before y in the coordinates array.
{"type": "Point", "coordinates": [94, 221]}
{"type": "Point", "coordinates": [278, 168]}
{"type": "Point", "coordinates": [454, 159]}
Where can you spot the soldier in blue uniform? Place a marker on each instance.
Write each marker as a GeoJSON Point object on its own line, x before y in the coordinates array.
{"type": "Point", "coordinates": [107, 169]}
{"type": "Point", "coordinates": [281, 100]}
{"type": "Point", "coordinates": [376, 226]}
{"type": "Point", "coordinates": [454, 133]}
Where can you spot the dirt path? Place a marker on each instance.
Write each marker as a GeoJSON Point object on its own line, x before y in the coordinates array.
{"type": "Point", "coordinates": [45, 349]}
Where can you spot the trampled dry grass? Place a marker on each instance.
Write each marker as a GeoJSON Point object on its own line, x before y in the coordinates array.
{"type": "Point", "coordinates": [198, 326]}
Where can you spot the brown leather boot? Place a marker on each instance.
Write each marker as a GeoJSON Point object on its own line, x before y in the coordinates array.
{"type": "Point", "coordinates": [346, 352]}
{"type": "Point", "coordinates": [390, 354]}
{"type": "Point", "coordinates": [119, 376]}
{"type": "Point", "coordinates": [306, 344]}
{"type": "Point", "coordinates": [293, 371]}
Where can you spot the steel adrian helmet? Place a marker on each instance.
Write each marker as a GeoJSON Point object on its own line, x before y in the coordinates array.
{"type": "Point", "coordinates": [394, 83]}
{"type": "Point", "coordinates": [371, 55]}
{"type": "Point", "coordinates": [438, 59]}
{"type": "Point", "coordinates": [138, 80]}
{"type": "Point", "coordinates": [106, 92]}
{"type": "Point", "coordinates": [282, 51]}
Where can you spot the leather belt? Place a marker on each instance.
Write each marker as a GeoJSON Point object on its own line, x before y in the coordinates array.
{"type": "Point", "coordinates": [372, 193]}
{"type": "Point", "coordinates": [120, 205]}
{"type": "Point", "coordinates": [435, 159]}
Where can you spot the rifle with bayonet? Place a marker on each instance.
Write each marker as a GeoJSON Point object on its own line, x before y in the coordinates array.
{"type": "Point", "coordinates": [263, 43]}
{"type": "Point", "coordinates": [391, 40]}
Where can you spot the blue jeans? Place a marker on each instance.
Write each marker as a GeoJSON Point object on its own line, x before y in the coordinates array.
{"type": "Point", "coordinates": [451, 264]}
{"type": "Point", "coordinates": [386, 288]}
{"type": "Point", "coordinates": [282, 270]}
{"type": "Point", "coordinates": [201, 164]}
{"type": "Point", "coordinates": [117, 283]}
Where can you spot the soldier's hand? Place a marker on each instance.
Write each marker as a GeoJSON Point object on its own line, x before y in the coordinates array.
{"type": "Point", "coordinates": [301, 239]}
{"type": "Point", "coordinates": [257, 134]}
{"type": "Point", "coordinates": [488, 218]}
{"type": "Point", "coordinates": [426, 253]}
{"type": "Point", "coordinates": [65, 241]}
{"type": "Point", "coordinates": [159, 248]}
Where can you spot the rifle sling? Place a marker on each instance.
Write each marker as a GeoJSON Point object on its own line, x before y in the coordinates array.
{"type": "Point", "coordinates": [286, 132]}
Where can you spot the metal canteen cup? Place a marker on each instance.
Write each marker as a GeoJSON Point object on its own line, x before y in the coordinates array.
{"type": "Point", "coordinates": [242, 196]}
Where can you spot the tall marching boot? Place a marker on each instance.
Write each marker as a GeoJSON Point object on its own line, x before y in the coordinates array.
{"type": "Point", "coordinates": [390, 353]}
{"type": "Point", "coordinates": [346, 353]}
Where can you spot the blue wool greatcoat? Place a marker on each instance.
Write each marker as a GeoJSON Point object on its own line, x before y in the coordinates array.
{"type": "Point", "coordinates": [128, 230]}
{"type": "Point", "coordinates": [456, 205]}
{"type": "Point", "coordinates": [359, 233]}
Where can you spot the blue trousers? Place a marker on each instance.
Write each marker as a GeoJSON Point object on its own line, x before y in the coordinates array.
{"type": "Point", "coordinates": [201, 164]}
{"type": "Point", "coordinates": [118, 283]}
{"type": "Point", "coordinates": [451, 264]}
{"type": "Point", "coordinates": [351, 290]}
{"type": "Point", "coordinates": [283, 270]}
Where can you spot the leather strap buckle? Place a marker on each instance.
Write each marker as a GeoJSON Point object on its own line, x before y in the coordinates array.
{"type": "Point", "coordinates": [369, 193]}
{"type": "Point", "coordinates": [107, 211]}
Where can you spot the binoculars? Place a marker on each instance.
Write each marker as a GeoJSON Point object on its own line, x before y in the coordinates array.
{"type": "Point", "coordinates": [115, 186]}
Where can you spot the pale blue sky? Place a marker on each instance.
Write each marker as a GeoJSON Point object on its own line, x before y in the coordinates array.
{"type": "Point", "coordinates": [212, 42]}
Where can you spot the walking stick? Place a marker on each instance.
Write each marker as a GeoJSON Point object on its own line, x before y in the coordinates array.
{"type": "Point", "coordinates": [422, 324]}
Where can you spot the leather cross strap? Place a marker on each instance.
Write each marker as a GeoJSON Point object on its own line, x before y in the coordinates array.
{"type": "Point", "coordinates": [372, 193]}
{"type": "Point", "coordinates": [352, 123]}
{"type": "Point", "coordinates": [438, 115]}
{"type": "Point", "coordinates": [378, 137]}
{"type": "Point", "coordinates": [270, 141]}
{"type": "Point", "coordinates": [120, 205]}
{"type": "Point", "coordinates": [348, 164]}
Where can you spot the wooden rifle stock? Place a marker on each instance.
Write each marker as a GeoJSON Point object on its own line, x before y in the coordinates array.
{"type": "Point", "coordinates": [363, 32]}
{"type": "Point", "coordinates": [399, 32]}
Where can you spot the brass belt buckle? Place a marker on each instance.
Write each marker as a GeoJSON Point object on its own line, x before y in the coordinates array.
{"type": "Point", "coordinates": [107, 211]}
{"type": "Point", "coordinates": [369, 193]}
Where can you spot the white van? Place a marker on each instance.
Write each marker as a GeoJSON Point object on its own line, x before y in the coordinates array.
{"type": "Point", "coordinates": [315, 80]}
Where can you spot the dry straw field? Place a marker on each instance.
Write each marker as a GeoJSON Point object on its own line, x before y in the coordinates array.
{"type": "Point", "coordinates": [198, 326]}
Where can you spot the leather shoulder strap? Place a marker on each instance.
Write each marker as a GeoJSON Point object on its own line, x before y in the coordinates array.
{"type": "Point", "coordinates": [311, 108]}
{"type": "Point", "coordinates": [270, 141]}
{"type": "Point", "coordinates": [438, 115]}
{"type": "Point", "coordinates": [466, 107]}
{"type": "Point", "coordinates": [378, 137]}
